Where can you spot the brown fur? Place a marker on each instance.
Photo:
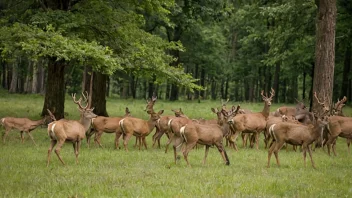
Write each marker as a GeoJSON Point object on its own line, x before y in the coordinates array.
{"type": "Point", "coordinates": [295, 134]}
{"type": "Point", "coordinates": [252, 122]}
{"type": "Point", "coordinates": [22, 124]}
{"type": "Point", "coordinates": [338, 127]}
{"type": "Point", "coordinates": [74, 131]}
{"type": "Point", "coordinates": [134, 126]}
{"type": "Point", "coordinates": [103, 124]}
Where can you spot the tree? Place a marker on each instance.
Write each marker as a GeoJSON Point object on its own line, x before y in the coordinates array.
{"type": "Point", "coordinates": [324, 53]}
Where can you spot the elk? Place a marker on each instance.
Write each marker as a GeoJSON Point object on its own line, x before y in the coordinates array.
{"type": "Point", "coordinates": [74, 131]}
{"type": "Point", "coordinates": [252, 122]}
{"type": "Point", "coordinates": [23, 125]}
{"type": "Point", "coordinates": [135, 126]}
{"type": "Point", "coordinates": [208, 135]}
{"type": "Point", "coordinates": [162, 127]}
{"type": "Point", "coordinates": [295, 134]}
{"type": "Point", "coordinates": [103, 124]}
{"type": "Point", "coordinates": [338, 127]}
{"type": "Point", "coordinates": [290, 111]}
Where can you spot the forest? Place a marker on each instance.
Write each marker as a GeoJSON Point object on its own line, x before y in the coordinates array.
{"type": "Point", "coordinates": [177, 50]}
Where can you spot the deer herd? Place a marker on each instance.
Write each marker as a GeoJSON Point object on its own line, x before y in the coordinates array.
{"type": "Point", "coordinates": [287, 125]}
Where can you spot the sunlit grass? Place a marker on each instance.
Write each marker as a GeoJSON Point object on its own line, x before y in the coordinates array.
{"type": "Point", "coordinates": [152, 173]}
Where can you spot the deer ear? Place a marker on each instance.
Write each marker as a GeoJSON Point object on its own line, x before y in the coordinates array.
{"type": "Point", "coordinates": [161, 112]}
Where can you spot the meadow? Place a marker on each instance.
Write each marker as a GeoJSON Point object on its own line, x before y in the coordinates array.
{"type": "Point", "coordinates": [109, 172]}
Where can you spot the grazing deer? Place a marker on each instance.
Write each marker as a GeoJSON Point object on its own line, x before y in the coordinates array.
{"type": "Point", "coordinates": [23, 125]}
{"type": "Point", "coordinates": [74, 131]}
{"type": "Point", "coordinates": [252, 122]}
{"type": "Point", "coordinates": [295, 134]}
{"type": "Point", "coordinates": [135, 126]}
{"type": "Point", "coordinates": [162, 127]}
{"type": "Point", "coordinates": [103, 124]}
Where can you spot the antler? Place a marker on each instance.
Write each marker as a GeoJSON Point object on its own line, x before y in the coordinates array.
{"type": "Point", "coordinates": [79, 101]}
{"type": "Point", "coordinates": [51, 115]}
{"type": "Point", "coordinates": [321, 103]}
{"type": "Point", "coordinates": [223, 104]}
{"type": "Point", "coordinates": [272, 93]}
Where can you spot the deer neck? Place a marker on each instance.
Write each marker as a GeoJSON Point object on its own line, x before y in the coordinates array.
{"type": "Point", "coordinates": [151, 124]}
{"type": "Point", "coordinates": [266, 110]}
{"type": "Point", "coordinates": [86, 122]}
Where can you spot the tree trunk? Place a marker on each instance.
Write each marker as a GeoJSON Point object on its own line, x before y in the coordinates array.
{"type": "Point", "coordinates": [277, 82]}
{"type": "Point", "coordinates": [98, 94]}
{"type": "Point", "coordinates": [14, 78]}
{"type": "Point", "coordinates": [346, 72]}
{"type": "Point", "coordinates": [29, 78]}
{"type": "Point", "coordinates": [151, 87]}
{"type": "Point", "coordinates": [55, 90]}
{"type": "Point", "coordinates": [202, 82]}
{"type": "Point", "coordinates": [304, 85]}
{"type": "Point", "coordinates": [324, 54]}
{"type": "Point", "coordinates": [35, 79]}
{"type": "Point", "coordinates": [4, 75]}
{"type": "Point", "coordinates": [86, 78]}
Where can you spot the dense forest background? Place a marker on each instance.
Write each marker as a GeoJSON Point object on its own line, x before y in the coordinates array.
{"type": "Point", "coordinates": [134, 49]}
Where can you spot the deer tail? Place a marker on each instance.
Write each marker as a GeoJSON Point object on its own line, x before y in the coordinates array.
{"type": "Point", "coordinates": [121, 125]}
{"type": "Point", "coordinates": [271, 131]}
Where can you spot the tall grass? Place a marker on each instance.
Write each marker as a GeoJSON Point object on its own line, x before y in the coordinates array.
{"type": "Point", "coordinates": [152, 173]}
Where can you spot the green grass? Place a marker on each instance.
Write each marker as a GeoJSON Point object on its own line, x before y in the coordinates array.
{"type": "Point", "coordinates": [151, 173]}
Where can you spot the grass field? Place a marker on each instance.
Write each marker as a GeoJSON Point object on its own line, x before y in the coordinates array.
{"type": "Point", "coordinates": [152, 173]}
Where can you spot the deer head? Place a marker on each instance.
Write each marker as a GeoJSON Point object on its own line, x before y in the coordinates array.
{"type": "Point", "coordinates": [267, 99]}
{"type": "Point", "coordinates": [150, 104]}
{"type": "Point", "coordinates": [232, 113]}
{"type": "Point", "coordinates": [337, 109]}
{"type": "Point", "coordinates": [86, 111]}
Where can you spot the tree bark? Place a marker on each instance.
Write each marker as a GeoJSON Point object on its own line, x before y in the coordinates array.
{"type": "Point", "coordinates": [98, 94]}
{"type": "Point", "coordinates": [346, 72]}
{"type": "Point", "coordinates": [276, 82]}
{"type": "Point", "coordinates": [55, 90]}
{"type": "Point", "coordinates": [324, 53]}
{"type": "Point", "coordinates": [14, 78]}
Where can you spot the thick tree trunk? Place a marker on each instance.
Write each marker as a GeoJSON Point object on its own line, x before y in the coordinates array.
{"type": "Point", "coordinates": [98, 94]}
{"type": "Point", "coordinates": [324, 53]}
{"type": "Point", "coordinates": [35, 79]}
{"type": "Point", "coordinates": [202, 82]}
{"type": "Point", "coordinates": [55, 90]}
{"type": "Point", "coordinates": [346, 71]}
{"type": "Point", "coordinates": [29, 78]}
{"type": "Point", "coordinates": [304, 85]}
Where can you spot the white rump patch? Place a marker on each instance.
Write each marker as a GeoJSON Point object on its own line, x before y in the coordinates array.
{"type": "Point", "coordinates": [3, 120]}
{"type": "Point", "coordinates": [121, 125]}
{"type": "Point", "coordinates": [182, 132]}
{"type": "Point", "coordinates": [52, 133]}
{"type": "Point", "coordinates": [271, 131]}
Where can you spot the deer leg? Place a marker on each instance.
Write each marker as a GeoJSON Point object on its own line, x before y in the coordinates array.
{"type": "Point", "coordinates": [144, 142]}
{"type": "Point", "coordinates": [117, 139]}
{"type": "Point", "coordinates": [330, 143]}
{"type": "Point", "coordinates": [171, 137]}
{"type": "Point", "coordinates": [52, 144]}
{"type": "Point", "coordinates": [57, 151]}
{"type": "Point", "coordinates": [126, 138]}
{"type": "Point", "coordinates": [30, 135]}
{"type": "Point", "coordinates": [276, 152]}
{"type": "Point", "coordinates": [234, 138]}
{"type": "Point", "coordinates": [304, 151]}
{"type": "Point", "coordinates": [177, 143]}
{"type": "Point", "coordinates": [270, 152]}
{"type": "Point", "coordinates": [97, 138]}
{"type": "Point", "coordinates": [348, 145]}
{"type": "Point", "coordinates": [256, 135]}
{"type": "Point", "coordinates": [7, 130]}
{"type": "Point", "coordinates": [206, 153]}
{"type": "Point", "coordinates": [310, 155]}
{"type": "Point", "coordinates": [186, 150]}
{"type": "Point", "coordinates": [223, 153]}
{"type": "Point", "coordinates": [244, 139]}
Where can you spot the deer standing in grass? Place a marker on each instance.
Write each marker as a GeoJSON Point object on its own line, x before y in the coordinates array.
{"type": "Point", "coordinates": [251, 122]}
{"type": "Point", "coordinates": [74, 131]}
{"type": "Point", "coordinates": [138, 127]}
{"type": "Point", "coordinates": [24, 125]}
{"type": "Point", "coordinates": [103, 124]}
{"type": "Point", "coordinates": [162, 127]}
{"type": "Point", "coordinates": [295, 134]}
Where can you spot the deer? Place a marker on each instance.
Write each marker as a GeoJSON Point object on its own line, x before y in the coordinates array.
{"type": "Point", "coordinates": [24, 125]}
{"type": "Point", "coordinates": [290, 111]}
{"type": "Point", "coordinates": [296, 134]}
{"type": "Point", "coordinates": [138, 127]}
{"type": "Point", "coordinates": [252, 122]}
{"type": "Point", "coordinates": [103, 124]}
{"type": "Point", "coordinates": [162, 127]}
{"type": "Point", "coordinates": [74, 131]}
{"type": "Point", "coordinates": [208, 135]}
